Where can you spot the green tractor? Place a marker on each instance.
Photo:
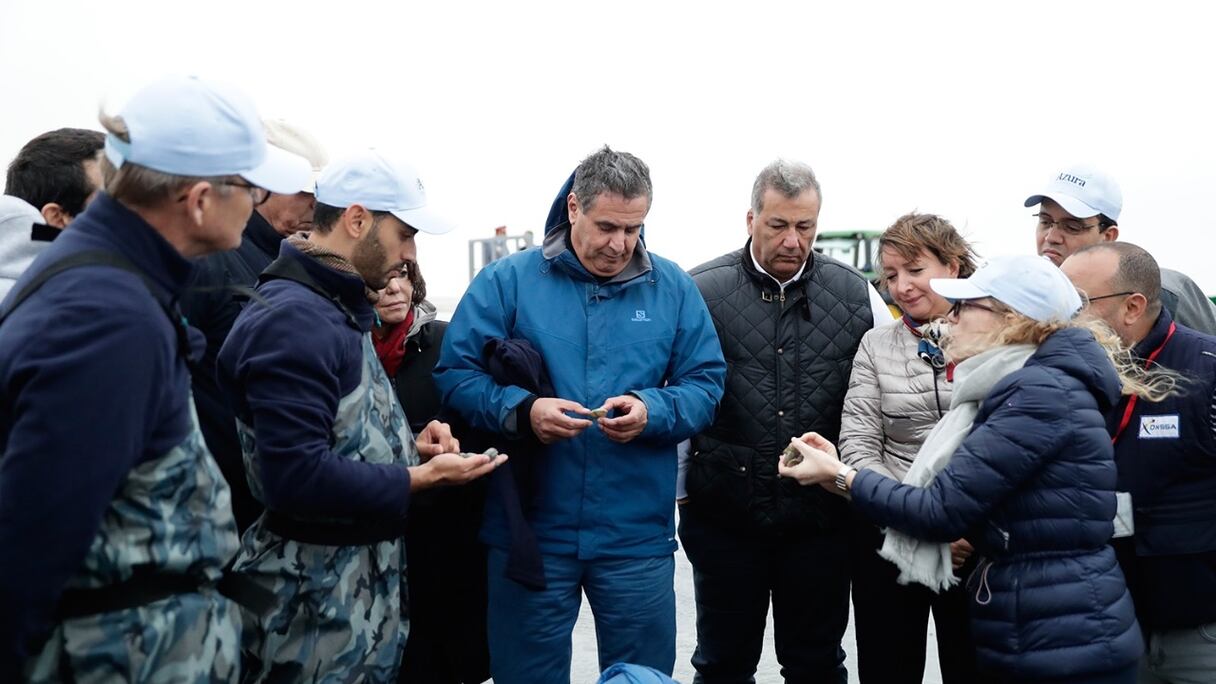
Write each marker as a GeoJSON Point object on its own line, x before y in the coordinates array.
{"type": "Point", "coordinates": [859, 249]}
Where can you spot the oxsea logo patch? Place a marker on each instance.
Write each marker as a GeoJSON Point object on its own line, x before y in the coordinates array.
{"type": "Point", "coordinates": [1159, 427]}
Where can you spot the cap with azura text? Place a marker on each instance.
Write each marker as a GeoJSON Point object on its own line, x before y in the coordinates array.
{"type": "Point", "coordinates": [1082, 191]}
{"type": "Point", "coordinates": [378, 182]}
{"type": "Point", "coordinates": [187, 126]}
{"type": "Point", "coordinates": [1030, 285]}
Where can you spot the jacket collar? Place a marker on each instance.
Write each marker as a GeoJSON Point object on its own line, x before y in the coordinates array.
{"type": "Point", "coordinates": [110, 222]}
{"type": "Point", "coordinates": [555, 251]}
{"type": "Point", "coordinates": [262, 235]}
{"type": "Point", "coordinates": [348, 291]}
{"type": "Point", "coordinates": [1156, 336]}
{"type": "Point", "coordinates": [765, 279]}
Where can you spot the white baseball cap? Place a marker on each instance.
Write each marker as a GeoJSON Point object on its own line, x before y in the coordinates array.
{"type": "Point", "coordinates": [1084, 192]}
{"type": "Point", "coordinates": [1030, 285]}
{"type": "Point", "coordinates": [190, 127]}
{"type": "Point", "coordinates": [372, 180]}
{"type": "Point", "coordinates": [290, 137]}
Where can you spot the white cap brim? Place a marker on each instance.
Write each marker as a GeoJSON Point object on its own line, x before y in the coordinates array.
{"type": "Point", "coordinates": [956, 288]}
{"type": "Point", "coordinates": [424, 220]}
{"type": "Point", "coordinates": [281, 172]}
{"type": "Point", "coordinates": [1070, 204]}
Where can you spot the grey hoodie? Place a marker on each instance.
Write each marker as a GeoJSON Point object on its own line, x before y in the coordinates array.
{"type": "Point", "coordinates": [17, 249]}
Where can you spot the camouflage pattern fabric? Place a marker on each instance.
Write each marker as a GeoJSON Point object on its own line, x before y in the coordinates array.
{"type": "Point", "coordinates": [172, 515]}
{"type": "Point", "coordinates": [340, 616]}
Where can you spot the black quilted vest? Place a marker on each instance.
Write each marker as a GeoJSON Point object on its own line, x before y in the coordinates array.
{"type": "Point", "coordinates": [788, 361]}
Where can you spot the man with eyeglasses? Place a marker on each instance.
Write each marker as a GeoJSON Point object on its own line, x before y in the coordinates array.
{"type": "Point", "coordinates": [1080, 207]}
{"type": "Point", "coordinates": [114, 522]}
{"type": "Point", "coordinates": [1166, 455]}
{"type": "Point", "coordinates": [221, 287]}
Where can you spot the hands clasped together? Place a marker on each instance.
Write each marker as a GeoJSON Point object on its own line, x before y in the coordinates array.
{"type": "Point", "coordinates": [550, 421]}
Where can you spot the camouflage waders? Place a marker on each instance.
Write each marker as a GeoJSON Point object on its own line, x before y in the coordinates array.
{"type": "Point", "coordinates": [340, 617]}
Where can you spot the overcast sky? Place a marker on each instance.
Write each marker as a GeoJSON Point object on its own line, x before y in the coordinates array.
{"type": "Point", "coordinates": [961, 109]}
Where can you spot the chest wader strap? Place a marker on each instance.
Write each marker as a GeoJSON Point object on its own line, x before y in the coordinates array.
{"type": "Point", "coordinates": [362, 533]}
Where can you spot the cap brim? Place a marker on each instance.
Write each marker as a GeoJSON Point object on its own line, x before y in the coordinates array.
{"type": "Point", "coordinates": [280, 172]}
{"type": "Point", "coordinates": [424, 220]}
{"type": "Point", "coordinates": [1072, 205]}
{"type": "Point", "coordinates": [956, 288]}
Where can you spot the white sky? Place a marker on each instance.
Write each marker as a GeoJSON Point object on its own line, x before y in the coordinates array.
{"type": "Point", "coordinates": [962, 109]}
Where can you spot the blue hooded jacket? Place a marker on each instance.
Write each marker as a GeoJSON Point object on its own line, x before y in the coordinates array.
{"type": "Point", "coordinates": [646, 332]}
{"type": "Point", "coordinates": [1032, 487]}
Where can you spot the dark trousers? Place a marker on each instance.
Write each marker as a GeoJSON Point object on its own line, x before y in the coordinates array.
{"type": "Point", "coordinates": [735, 575]}
{"type": "Point", "coordinates": [891, 620]}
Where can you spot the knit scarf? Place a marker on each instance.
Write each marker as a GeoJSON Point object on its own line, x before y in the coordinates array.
{"type": "Point", "coordinates": [929, 563]}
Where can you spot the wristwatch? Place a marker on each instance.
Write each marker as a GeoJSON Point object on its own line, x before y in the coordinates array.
{"type": "Point", "coordinates": [842, 478]}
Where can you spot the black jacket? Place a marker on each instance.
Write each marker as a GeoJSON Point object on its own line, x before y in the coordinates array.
{"type": "Point", "coordinates": [217, 294]}
{"type": "Point", "coordinates": [788, 355]}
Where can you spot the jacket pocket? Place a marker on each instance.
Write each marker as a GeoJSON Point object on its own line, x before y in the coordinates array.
{"type": "Point", "coordinates": [719, 480]}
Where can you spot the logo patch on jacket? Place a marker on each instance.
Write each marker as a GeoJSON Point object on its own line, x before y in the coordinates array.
{"type": "Point", "coordinates": [639, 316]}
{"type": "Point", "coordinates": [1159, 427]}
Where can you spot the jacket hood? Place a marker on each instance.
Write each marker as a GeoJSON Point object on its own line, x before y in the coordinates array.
{"type": "Point", "coordinates": [17, 248]}
{"type": "Point", "coordinates": [1075, 352]}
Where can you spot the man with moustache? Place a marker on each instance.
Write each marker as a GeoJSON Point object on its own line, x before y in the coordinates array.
{"type": "Point", "coordinates": [1080, 207]}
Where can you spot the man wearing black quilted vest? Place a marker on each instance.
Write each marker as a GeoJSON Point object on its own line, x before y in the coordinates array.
{"type": "Point", "coordinates": [790, 321]}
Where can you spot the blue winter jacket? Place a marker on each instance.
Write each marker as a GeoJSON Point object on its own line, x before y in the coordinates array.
{"type": "Point", "coordinates": [1032, 487]}
{"type": "Point", "coordinates": [645, 332]}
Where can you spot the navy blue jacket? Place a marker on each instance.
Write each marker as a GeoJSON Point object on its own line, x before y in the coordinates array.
{"type": "Point", "coordinates": [1032, 487]}
{"type": "Point", "coordinates": [1167, 462]}
{"type": "Point", "coordinates": [212, 302]}
{"type": "Point", "coordinates": [290, 358]}
{"type": "Point", "coordinates": [91, 384]}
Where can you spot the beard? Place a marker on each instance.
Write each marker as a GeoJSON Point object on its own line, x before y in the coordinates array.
{"type": "Point", "coordinates": [371, 260]}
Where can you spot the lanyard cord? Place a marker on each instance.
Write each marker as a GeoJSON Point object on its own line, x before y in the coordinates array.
{"type": "Point", "coordinates": [1131, 402]}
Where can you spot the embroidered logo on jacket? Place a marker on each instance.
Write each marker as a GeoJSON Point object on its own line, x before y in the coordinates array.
{"type": "Point", "coordinates": [639, 316]}
{"type": "Point", "coordinates": [1159, 427]}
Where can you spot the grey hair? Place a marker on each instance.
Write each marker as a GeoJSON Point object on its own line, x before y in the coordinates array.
{"type": "Point", "coordinates": [141, 186]}
{"type": "Point", "coordinates": [786, 177]}
{"type": "Point", "coordinates": [1137, 271]}
{"type": "Point", "coordinates": [607, 170]}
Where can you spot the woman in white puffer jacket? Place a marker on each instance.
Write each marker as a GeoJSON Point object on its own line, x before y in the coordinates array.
{"type": "Point", "coordinates": [898, 391]}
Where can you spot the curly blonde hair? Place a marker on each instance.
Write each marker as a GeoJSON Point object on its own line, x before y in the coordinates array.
{"type": "Point", "coordinates": [1150, 384]}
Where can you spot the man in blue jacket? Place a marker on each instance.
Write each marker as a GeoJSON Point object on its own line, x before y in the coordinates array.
{"type": "Point", "coordinates": [1166, 453]}
{"type": "Point", "coordinates": [114, 521]}
{"type": "Point", "coordinates": [328, 450]}
{"type": "Point", "coordinates": [619, 329]}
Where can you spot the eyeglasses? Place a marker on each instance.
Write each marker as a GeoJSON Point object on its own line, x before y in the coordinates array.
{"type": "Point", "coordinates": [257, 194]}
{"type": "Point", "coordinates": [960, 304]}
{"type": "Point", "coordinates": [1068, 226]}
{"type": "Point", "coordinates": [1091, 300]}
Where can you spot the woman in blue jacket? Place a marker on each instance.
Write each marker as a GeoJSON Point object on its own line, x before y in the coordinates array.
{"type": "Point", "coordinates": [1031, 483]}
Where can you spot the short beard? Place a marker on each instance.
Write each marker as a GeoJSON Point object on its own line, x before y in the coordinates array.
{"type": "Point", "coordinates": [370, 259]}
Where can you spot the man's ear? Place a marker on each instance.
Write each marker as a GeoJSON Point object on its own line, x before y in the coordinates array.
{"type": "Point", "coordinates": [1111, 234]}
{"type": "Point", "coordinates": [356, 221]}
{"type": "Point", "coordinates": [53, 215]}
{"type": "Point", "coordinates": [1136, 307]}
{"type": "Point", "coordinates": [572, 206]}
{"type": "Point", "coordinates": [198, 199]}
{"type": "Point", "coordinates": [750, 217]}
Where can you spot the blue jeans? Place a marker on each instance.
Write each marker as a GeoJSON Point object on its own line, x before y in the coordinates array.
{"type": "Point", "coordinates": [633, 601]}
{"type": "Point", "coordinates": [1180, 656]}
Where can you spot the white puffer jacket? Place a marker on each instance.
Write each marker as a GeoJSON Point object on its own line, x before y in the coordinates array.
{"type": "Point", "coordinates": [894, 400]}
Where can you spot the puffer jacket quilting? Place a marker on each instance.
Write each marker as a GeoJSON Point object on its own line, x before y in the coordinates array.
{"type": "Point", "coordinates": [1033, 488]}
{"type": "Point", "coordinates": [894, 400]}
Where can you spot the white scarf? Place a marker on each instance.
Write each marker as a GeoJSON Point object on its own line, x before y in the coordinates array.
{"type": "Point", "coordinates": [929, 563]}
